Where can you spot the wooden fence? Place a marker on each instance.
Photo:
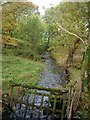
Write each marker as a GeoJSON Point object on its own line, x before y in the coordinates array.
{"type": "Point", "coordinates": [35, 102]}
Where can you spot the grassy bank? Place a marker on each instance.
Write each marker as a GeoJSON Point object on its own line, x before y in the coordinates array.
{"type": "Point", "coordinates": [76, 73]}
{"type": "Point", "coordinates": [21, 70]}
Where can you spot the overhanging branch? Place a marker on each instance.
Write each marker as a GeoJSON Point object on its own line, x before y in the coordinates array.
{"type": "Point", "coordinates": [70, 32]}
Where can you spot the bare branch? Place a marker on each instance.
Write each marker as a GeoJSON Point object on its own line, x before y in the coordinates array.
{"type": "Point", "coordinates": [70, 32]}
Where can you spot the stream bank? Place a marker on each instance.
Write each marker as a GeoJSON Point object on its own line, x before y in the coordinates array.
{"type": "Point", "coordinates": [51, 77]}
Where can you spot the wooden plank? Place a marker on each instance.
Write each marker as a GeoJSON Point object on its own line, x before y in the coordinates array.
{"type": "Point", "coordinates": [39, 94]}
{"type": "Point", "coordinates": [63, 109]}
{"type": "Point", "coordinates": [31, 90]}
{"type": "Point", "coordinates": [26, 106]}
{"type": "Point", "coordinates": [54, 106]}
{"type": "Point", "coordinates": [10, 94]}
{"type": "Point", "coordinates": [48, 106]}
{"type": "Point", "coordinates": [33, 104]}
{"type": "Point", "coordinates": [21, 101]}
{"type": "Point", "coordinates": [41, 103]}
{"type": "Point", "coordinates": [53, 90]}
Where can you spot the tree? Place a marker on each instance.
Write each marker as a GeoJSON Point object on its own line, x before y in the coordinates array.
{"type": "Point", "coordinates": [30, 29]}
{"type": "Point", "coordinates": [73, 18]}
{"type": "Point", "coordinates": [11, 11]}
{"type": "Point", "coordinates": [72, 21]}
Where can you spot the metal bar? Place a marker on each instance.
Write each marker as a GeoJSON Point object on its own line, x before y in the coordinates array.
{"type": "Point", "coordinates": [41, 103]}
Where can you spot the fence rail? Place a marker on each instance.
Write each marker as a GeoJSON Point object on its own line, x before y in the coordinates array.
{"type": "Point", "coordinates": [40, 102]}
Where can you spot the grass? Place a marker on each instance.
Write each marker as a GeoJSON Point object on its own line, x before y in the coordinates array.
{"type": "Point", "coordinates": [60, 54]}
{"type": "Point", "coordinates": [20, 70]}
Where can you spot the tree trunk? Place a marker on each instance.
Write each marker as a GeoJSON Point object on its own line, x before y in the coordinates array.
{"type": "Point", "coordinates": [72, 50]}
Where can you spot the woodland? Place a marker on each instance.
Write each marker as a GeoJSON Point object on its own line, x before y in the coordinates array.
{"type": "Point", "coordinates": [64, 32]}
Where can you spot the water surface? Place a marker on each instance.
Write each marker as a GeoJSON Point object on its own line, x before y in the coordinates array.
{"type": "Point", "coordinates": [52, 76]}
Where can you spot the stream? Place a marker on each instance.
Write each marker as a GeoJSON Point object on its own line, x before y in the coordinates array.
{"type": "Point", "coordinates": [51, 77]}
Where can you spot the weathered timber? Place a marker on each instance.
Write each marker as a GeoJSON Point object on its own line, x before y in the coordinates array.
{"type": "Point", "coordinates": [53, 90]}
{"type": "Point", "coordinates": [26, 106]}
{"type": "Point", "coordinates": [40, 106]}
{"type": "Point", "coordinates": [33, 105]}
{"type": "Point", "coordinates": [54, 106]}
{"type": "Point", "coordinates": [48, 106]}
{"type": "Point", "coordinates": [57, 103]}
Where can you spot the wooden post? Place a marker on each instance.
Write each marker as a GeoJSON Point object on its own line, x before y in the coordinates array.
{"type": "Point", "coordinates": [54, 106]}
{"type": "Point", "coordinates": [10, 95]}
{"type": "Point", "coordinates": [40, 106]}
{"type": "Point", "coordinates": [33, 105]}
{"type": "Point", "coordinates": [48, 107]}
{"type": "Point", "coordinates": [63, 109]}
{"type": "Point", "coordinates": [26, 106]}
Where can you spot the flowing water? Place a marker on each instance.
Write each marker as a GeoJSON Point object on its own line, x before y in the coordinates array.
{"type": "Point", "coordinates": [52, 77]}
